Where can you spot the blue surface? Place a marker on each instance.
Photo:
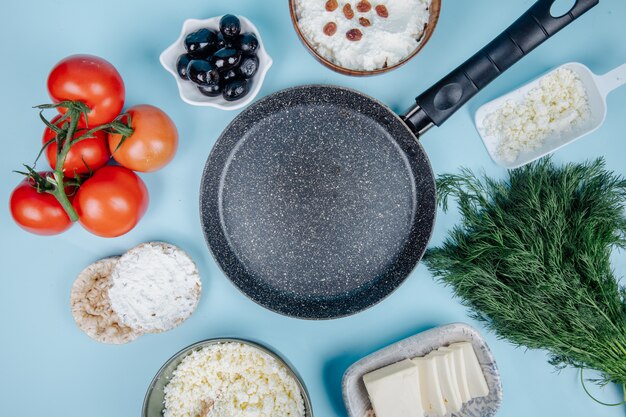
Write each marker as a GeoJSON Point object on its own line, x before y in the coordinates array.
{"type": "Point", "coordinates": [51, 368]}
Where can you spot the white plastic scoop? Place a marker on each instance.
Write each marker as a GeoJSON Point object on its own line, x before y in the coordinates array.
{"type": "Point", "coordinates": [597, 87]}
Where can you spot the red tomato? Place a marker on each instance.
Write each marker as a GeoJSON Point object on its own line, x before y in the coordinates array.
{"type": "Point", "coordinates": [92, 80]}
{"type": "Point", "coordinates": [111, 202]}
{"type": "Point", "coordinates": [152, 145]}
{"type": "Point", "coordinates": [36, 212]}
{"type": "Point", "coordinates": [83, 156]}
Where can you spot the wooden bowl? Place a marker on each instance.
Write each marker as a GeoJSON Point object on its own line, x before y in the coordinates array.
{"type": "Point", "coordinates": [435, 10]}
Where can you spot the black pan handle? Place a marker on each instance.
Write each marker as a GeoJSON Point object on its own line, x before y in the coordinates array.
{"type": "Point", "coordinates": [534, 27]}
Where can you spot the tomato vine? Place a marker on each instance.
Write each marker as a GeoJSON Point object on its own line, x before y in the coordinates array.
{"type": "Point", "coordinates": [67, 135]}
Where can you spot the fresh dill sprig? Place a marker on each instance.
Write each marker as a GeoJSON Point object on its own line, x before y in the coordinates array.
{"type": "Point", "coordinates": [531, 259]}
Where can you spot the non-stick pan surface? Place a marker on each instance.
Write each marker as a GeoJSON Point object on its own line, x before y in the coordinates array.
{"type": "Point", "coordinates": [317, 202]}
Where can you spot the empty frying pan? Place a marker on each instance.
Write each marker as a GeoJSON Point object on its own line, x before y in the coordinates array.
{"type": "Point", "coordinates": [318, 201]}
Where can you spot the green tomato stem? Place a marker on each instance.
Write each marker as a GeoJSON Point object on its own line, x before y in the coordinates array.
{"type": "Point", "coordinates": [61, 196]}
{"type": "Point", "coordinates": [74, 111]}
{"type": "Point", "coordinates": [59, 176]}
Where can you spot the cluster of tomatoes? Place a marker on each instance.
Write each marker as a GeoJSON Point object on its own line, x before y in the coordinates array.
{"type": "Point", "coordinates": [93, 151]}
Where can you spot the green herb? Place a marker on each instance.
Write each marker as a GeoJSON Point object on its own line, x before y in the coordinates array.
{"type": "Point", "coordinates": [531, 259]}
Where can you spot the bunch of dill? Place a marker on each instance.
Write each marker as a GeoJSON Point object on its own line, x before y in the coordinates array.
{"type": "Point", "coordinates": [531, 259]}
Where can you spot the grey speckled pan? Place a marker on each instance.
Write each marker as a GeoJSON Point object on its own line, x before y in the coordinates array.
{"type": "Point", "coordinates": [318, 201]}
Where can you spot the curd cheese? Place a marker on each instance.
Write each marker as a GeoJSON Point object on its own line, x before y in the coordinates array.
{"type": "Point", "coordinates": [235, 380]}
{"type": "Point", "coordinates": [155, 287]}
{"type": "Point", "coordinates": [385, 41]}
{"type": "Point", "coordinates": [557, 105]}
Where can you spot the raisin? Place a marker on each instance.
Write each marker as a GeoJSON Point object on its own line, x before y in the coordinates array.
{"type": "Point", "coordinates": [364, 21]}
{"type": "Point", "coordinates": [331, 5]}
{"type": "Point", "coordinates": [348, 12]}
{"type": "Point", "coordinates": [364, 6]}
{"type": "Point", "coordinates": [354, 35]}
{"type": "Point", "coordinates": [382, 11]}
{"type": "Point", "coordinates": [330, 28]}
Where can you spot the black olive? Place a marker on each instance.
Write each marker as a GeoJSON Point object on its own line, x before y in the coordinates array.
{"type": "Point", "coordinates": [248, 66]}
{"type": "Point", "coordinates": [230, 26]}
{"type": "Point", "coordinates": [235, 89]}
{"type": "Point", "coordinates": [223, 42]}
{"type": "Point", "coordinates": [210, 90]}
{"type": "Point", "coordinates": [248, 43]}
{"type": "Point", "coordinates": [228, 76]}
{"type": "Point", "coordinates": [203, 72]}
{"type": "Point", "coordinates": [201, 43]}
{"type": "Point", "coordinates": [226, 58]}
{"type": "Point", "coordinates": [182, 64]}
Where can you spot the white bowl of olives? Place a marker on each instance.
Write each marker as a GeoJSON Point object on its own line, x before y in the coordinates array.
{"type": "Point", "coordinates": [218, 62]}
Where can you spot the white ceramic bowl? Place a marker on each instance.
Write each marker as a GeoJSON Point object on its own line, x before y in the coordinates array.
{"type": "Point", "coordinates": [188, 90]}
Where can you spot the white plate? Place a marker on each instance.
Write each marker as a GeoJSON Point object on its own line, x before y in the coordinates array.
{"type": "Point", "coordinates": [189, 93]}
{"type": "Point", "coordinates": [355, 395]}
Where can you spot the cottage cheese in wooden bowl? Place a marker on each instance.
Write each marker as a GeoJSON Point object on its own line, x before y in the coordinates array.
{"type": "Point", "coordinates": [364, 37]}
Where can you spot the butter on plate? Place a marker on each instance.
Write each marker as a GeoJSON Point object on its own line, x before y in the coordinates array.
{"type": "Point", "coordinates": [439, 383]}
{"type": "Point", "coordinates": [432, 399]}
{"type": "Point", "coordinates": [458, 359]}
{"type": "Point", "coordinates": [448, 382]}
{"type": "Point", "coordinates": [475, 377]}
{"type": "Point", "coordinates": [394, 390]}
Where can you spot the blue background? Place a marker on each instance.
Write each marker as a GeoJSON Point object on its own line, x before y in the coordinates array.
{"type": "Point", "coordinates": [51, 368]}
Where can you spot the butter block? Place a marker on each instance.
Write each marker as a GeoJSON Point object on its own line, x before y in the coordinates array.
{"type": "Point", "coordinates": [395, 390]}
{"type": "Point", "coordinates": [430, 387]}
{"type": "Point", "coordinates": [475, 378]}
{"type": "Point", "coordinates": [447, 381]}
{"type": "Point", "coordinates": [461, 373]}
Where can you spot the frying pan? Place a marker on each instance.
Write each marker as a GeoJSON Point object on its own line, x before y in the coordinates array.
{"type": "Point", "coordinates": [318, 201]}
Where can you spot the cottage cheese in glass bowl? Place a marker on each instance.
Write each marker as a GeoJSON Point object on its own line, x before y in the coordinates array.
{"type": "Point", "coordinates": [364, 37]}
{"type": "Point", "coordinates": [226, 377]}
